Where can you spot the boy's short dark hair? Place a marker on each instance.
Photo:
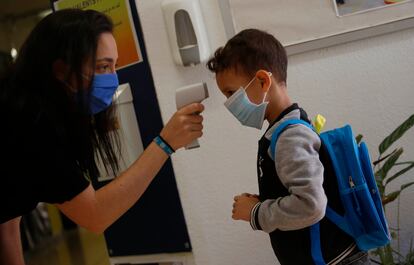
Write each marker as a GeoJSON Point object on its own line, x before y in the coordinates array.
{"type": "Point", "coordinates": [249, 51]}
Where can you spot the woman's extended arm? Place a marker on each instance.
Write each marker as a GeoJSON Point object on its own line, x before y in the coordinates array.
{"type": "Point", "coordinates": [96, 210]}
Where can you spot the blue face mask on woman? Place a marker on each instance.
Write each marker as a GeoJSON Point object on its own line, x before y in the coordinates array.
{"type": "Point", "coordinates": [248, 113]}
{"type": "Point", "coordinates": [102, 90]}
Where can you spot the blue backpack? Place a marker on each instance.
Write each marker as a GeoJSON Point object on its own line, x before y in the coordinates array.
{"type": "Point", "coordinates": [364, 218]}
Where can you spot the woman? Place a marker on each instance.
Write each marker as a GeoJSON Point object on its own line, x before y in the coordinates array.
{"type": "Point", "coordinates": [56, 109]}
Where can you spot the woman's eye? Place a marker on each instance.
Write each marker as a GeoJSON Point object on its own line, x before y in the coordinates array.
{"type": "Point", "coordinates": [104, 68]}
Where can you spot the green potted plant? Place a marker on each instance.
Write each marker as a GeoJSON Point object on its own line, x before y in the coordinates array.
{"type": "Point", "coordinates": [389, 168]}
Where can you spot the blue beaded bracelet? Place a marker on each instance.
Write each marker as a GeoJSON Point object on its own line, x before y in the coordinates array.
{"type": "Point", "coordinates": [164, 145]}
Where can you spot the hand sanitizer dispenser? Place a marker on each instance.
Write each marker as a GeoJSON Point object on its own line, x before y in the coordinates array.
{"type": "Point", "coordinates": [186, 31]}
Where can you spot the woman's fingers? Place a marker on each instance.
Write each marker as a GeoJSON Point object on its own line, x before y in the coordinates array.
{"type": "Point", "coordinates": [195, 118]}
{"type": "Point", "coordinates": [191, 109]}
{"type": "Point", "coordinates": [184, 126]}
{"type": "Point", "coordinates": [194, 127]}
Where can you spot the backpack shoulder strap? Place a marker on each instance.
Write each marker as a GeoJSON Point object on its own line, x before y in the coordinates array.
{"type": "Point", "coordinates": [316, 250]}
{"type": "Point", "coordinates": [278, 131]}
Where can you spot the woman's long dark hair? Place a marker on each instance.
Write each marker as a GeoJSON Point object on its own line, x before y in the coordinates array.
{"type": "Point", "coordinates": [32, 90]}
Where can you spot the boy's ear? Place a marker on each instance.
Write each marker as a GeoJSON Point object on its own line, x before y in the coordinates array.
{"type": "Point", "coordinates": [265, 79]}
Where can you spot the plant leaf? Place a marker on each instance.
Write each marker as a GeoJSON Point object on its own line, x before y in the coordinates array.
{"type": "Point", "coordinates": [390, 197]}
{"type": "Point", "coordinates": [384, 254]}
{"type": "Point", "coordinates": [398, 253]}
{"type": "Point", "coordinates": [403, 187]}
{"type": "Point", "coordinates": [388, 257]}
{"type": "Point", "coordinates": [389, 163]}
{"type": "Point", "coordinates": [396, 134]}
{"type": "Point", "coordinates": [383, 158]}
{"type": "Point", "coordinates": [358, 138]}
{"type": "Point", "coordinates": [381, 189]}
{"type": "Point", "coordinates": [410, 255]}
{"type": "Point", "coordinates": [399, 173]}
{"type": "Point", "coordinates": [404, 163]}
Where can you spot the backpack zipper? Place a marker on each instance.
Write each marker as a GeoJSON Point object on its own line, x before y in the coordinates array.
{"type": "Point", "coordinates": [351, 182]}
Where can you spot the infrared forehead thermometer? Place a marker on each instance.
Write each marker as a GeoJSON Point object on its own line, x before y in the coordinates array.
{"type": "Point", "coordinates": [191, 94]}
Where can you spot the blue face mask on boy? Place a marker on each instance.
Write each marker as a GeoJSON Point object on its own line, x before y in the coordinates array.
{"type": "Point", "coordinates": [102, 90]}
{"type": "Point", "coordinates": [248, 113]}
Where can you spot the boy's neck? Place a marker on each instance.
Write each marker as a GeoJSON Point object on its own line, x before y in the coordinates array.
{"type": "Point", "coordinates": [280, 102]}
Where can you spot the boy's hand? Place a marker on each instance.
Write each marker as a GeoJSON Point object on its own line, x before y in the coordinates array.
{"type": "Point", "coordinates": [243, 205]}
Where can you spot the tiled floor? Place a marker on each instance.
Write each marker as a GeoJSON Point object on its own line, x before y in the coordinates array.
{"type": "Point", "coordinates": [76, 247]}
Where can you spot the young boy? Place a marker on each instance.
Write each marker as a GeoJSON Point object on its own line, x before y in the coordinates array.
{"type": "Point", "coordinates": [294, 188]}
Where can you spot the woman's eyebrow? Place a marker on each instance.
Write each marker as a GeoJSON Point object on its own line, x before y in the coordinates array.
{"type": "Point", "coordinates": [107, 59]}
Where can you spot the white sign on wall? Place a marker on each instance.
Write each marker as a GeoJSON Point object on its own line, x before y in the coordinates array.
{"type": "Point", "coordinates": [353, 7]}
{"type": "Point", "coordinates": [306, 25]}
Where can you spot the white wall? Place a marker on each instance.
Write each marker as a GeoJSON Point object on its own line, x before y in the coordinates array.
{"type": "Point", "coordinates": [367, 83]}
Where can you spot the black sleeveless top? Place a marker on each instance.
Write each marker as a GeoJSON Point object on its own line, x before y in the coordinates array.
{"type": "Point", "coordinates": [294, 247]}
